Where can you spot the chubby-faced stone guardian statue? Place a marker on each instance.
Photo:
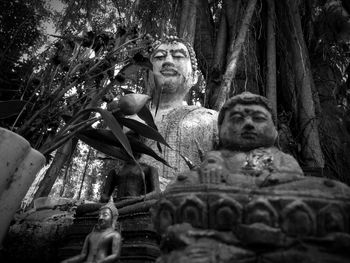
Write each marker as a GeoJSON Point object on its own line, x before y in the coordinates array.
{"type": "Point", "coordinates": [247, 137]}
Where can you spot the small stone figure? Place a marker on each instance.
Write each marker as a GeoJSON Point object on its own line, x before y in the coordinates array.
{"type": "Point", "coordinates": [103, 244]}
{"type": "Point", "coordinates": [131, 182]}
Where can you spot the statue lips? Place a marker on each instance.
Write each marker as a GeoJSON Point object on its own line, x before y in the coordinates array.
{"type": "Point", "coordinates": [169, 72]}
{"type": "Point", "coordinates": [249, 135]}
{"type": "Point", "coordinates": [101, 223]}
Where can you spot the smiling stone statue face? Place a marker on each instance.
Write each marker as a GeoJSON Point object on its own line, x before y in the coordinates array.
{"type": "Point", "coordinates": [172, 70]}
{"type": "Point", "coordinates": [246, 127]}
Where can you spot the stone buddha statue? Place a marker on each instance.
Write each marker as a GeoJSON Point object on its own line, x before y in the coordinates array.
{"type": "Point", "coordinates": [103, 244]}
{"type": "Point", "coordinates": [247, 137]}
{"type": "Point", "coordinates": [250, 202]}
{"type": "Point", "coordinates": [190, 131]}
{"type": "Point", "coordinates": [133, 183]}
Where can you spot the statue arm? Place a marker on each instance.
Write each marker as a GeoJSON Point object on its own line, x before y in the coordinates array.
{"type": "Point", "coordinates": [108, 186]}
{"type": "Point", "coordinates": [152, 183]}
{"type": "Point", "coordinates": [82, 256]}
{"type": "Point", "coordinates": [289, 163]}
{"type": "Point", "coordinates": [153, 179]}
{"type": "Point", "coordinates": [116, 247]}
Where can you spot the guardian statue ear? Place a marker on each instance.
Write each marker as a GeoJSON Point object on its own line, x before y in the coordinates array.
{"type": "Point", "coordinates": [194, 78]}
{"type": "Point", "coordinates": [275, 135]}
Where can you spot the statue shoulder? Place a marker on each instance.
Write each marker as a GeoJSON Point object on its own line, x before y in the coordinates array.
{"type": "Point", "coordinates": [112, 233]}
{"type": "Point", "coordinates": [286, 161]}
{"type": "Point", "coordinates": [201, 112]}
{"type": "Point", "coordinates": [199, 117]}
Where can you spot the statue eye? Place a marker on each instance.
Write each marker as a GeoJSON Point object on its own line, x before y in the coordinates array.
{"type": "Point", "coordinates": [178, 55]}
{"type": "Point", "coordinates": [159, 55]}
{"type": "Point", "coordinates": [259, 118]}
{"type": "Point", "coordinates": [237, 117]}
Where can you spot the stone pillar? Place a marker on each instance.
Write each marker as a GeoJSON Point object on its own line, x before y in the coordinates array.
{"type": "Point", "coordinates": [19, 163]}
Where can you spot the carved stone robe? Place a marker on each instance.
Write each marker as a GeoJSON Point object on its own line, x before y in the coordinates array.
{"type": "Point", "coordinates": [190, 131]}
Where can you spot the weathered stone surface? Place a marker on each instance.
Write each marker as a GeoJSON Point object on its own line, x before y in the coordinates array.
{"type": "Point", "coordinates": [250, 202]}
{"type": "Point", "coordinates": [37, 237]}
{"type": "Point", "coordinates": [190, 131]}
{"type": "Point", "coordinates": [272, 220]}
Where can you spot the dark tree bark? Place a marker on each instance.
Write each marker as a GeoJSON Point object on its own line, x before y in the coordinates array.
{"type": "Point", "coordinates": [203, 44]}
{"type": "Point", "coordinates": [61, 157]}
{"type": "Point", "coordinates": [187, 23]}
{"type": "Point", "coordinates": [219, 62]}
{"type": "Point", "coordinates": [84, 173]}
{"type": "Point", "coordinates": [237, 48]}
{"type": "Point", "coordinates": [308, 123]}
{"type": "Point", "coordinates": [271, 82]}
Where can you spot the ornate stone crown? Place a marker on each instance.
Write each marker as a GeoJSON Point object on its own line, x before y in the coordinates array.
{"type": "Point", "coordinates": [110, 205]}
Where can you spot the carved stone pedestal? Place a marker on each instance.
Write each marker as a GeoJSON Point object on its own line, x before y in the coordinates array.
{"type": "Point", "coordinates": [304, 220]}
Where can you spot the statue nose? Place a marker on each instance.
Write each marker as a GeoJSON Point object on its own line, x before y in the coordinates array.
{"type": "Point", "coordinates": [169, 58]}
{"type": "Point", "coordinates": [248, 124]}
{"type": "Point", "coordinates": [167, 64]}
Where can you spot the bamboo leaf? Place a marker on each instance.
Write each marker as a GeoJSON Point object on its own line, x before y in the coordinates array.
{"type": "Point", "coordinates": [104, 138]}
{"type": "Point", "coordinates": [187, 161]}
{"type": "Point", "coordinates": [113, 124]}
{"type": "Point", "coordinates": [140, 147]}
{"type": "Point", "coordinates": [143, 130]}
{"type": "Point", "coordinates": [147, 117]}
{"type": "Point", "coordinates": [78, 115]}
{"type": "Point", "coordinates": [12, 107]}
{"type": "Point", "coordinates": [103, 147]}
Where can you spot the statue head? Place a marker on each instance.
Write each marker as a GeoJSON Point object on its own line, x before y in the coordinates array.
{"type": "Point", "coordinates": [246, 122]}
{"type": "Point", "coordinates": [107, 216]}
{"type": "Point", "coordinates": [174, 68]}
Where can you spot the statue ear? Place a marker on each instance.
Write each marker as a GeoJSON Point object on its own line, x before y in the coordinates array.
{"type": "Point", "coordinates": [194, 78]}
{"type": "Point", "coordinates": [275, 134]}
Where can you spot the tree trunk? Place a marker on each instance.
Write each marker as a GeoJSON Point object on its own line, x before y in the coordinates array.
{"type": "Point", "coordinates": [219, 62]}
{"type": "Point", "coordinates": [65, 178]}
{"type": "Point", "coordinates": [61, 156]}
{"type": "Point", "coordinates": [233, 14]}
{"type": "Point", "coordinates": [308, 123]}
{"type": "Point", "coordinates": [187, 25]}
{"type": "Point", "coordinates": [203, 44]}
{"type": "Point", "coordinates": [237, 47]}
{"type": "Point", "coordinates": [271, 86]}
{"type": "Point", "coordinates": [84, 173]}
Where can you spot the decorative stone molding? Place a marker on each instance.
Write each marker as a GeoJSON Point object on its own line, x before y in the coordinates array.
{"type": "Point", "coordinates": [225, 213]}
{"type": "Point", "coordinates": [332, 218]}
{"type": "Point", "coordinates": [193, 210]}
{"type": "Point", "coordinates": [298, 219]}
{"type": "Point", "coordinates": [261, 211]}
